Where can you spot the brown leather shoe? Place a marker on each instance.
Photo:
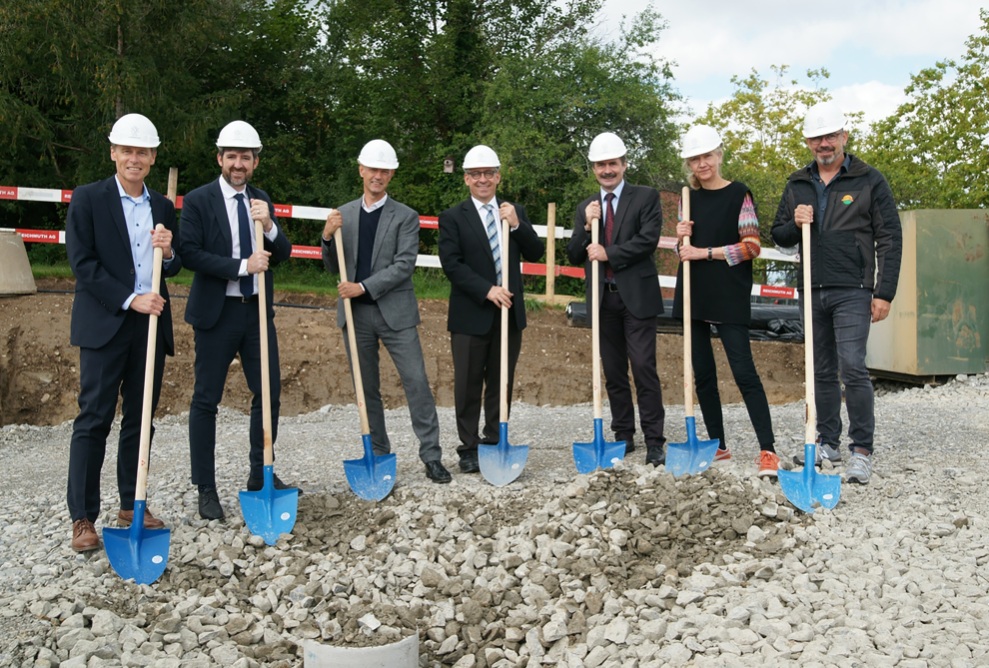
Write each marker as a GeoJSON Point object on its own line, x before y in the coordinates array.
{"type": "Point", "coordinates": [84, 538]}
{"type": "Point", "coordinates": [126, 517]}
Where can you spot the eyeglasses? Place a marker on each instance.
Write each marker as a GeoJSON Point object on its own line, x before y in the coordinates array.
{"type": "Point", "coordinates": [830, 138]}
{"type": "Point", "coordinates": [485, 173]}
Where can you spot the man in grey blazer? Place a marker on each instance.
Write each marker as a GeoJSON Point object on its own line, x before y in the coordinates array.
{"type": "Point", "coordinates": [380, 243]}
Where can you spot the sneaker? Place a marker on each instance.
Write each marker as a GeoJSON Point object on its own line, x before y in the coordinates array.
{"type": "Point", "coordinates": [769, 464]}
{"type": "Point", "coordinates": [824, 451]}
{"type": "Point", "coordinates": [859, 469]}
{"type": "Point", "coordinates": [723, 454]}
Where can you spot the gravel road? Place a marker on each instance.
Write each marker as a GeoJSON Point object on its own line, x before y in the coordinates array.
{"type": "Point", "coordinates": [624, 568]}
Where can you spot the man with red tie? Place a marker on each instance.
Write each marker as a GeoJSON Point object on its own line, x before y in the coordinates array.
{"type": "Point", "coordinates": [631, 220]}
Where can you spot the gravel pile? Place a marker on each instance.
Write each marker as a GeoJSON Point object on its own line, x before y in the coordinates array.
{"type": "Point", "coordinates": [624, 568]}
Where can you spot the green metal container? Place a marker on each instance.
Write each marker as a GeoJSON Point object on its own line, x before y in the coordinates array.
{"type": "Point", "coordinates": [939, 322]}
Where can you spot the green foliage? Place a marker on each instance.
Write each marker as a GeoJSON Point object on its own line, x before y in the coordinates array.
{"type": "Point", "coordinates": [933, 149]}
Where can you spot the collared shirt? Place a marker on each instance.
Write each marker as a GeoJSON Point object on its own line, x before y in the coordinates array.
{"type": "Point", "coordinates": [614, 203]}
{"type": "Point", "coordinates": [377, 205]}
{"type": "Point", "coordinates": [484, 221]}
{"type": "Point", "coordinates": [822, 188]}
{"type": "Point", "coordinates": [137, 216]}
{"type": "Point", "coordinates": [233, 287]}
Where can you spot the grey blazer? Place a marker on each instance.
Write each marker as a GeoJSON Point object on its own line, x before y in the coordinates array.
{"type": "Point", "coordinates": [396, 246]}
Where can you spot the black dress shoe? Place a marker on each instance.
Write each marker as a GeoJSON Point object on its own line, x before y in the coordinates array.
{"type": "Point", "coordinates": [209, 504]}
{"type": "Point", "coordinates": [255, 484]}
{"type": "Point", "coordinates": [468, 463]}
{"type": "Point", "coordinates": [436, 472]}
{"type": "Point", "coordinates": [655, 455]}
{"type": "Point", "coordinates": [629, 443]}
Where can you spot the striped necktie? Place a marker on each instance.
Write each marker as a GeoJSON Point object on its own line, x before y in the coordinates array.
{"type": "Point", "coordinates": [492, 227]}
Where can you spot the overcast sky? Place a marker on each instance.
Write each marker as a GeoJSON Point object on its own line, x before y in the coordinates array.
{"type": "Point", "coordinates": [870, 48]}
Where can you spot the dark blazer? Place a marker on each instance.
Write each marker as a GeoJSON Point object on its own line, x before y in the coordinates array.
{"type": "Point", "coordinates": [638, 223]}
{"type": "Point", "coordinates": [206, 233]}
{"type": "Point", "coordinates": [396, 246]}
{"type": "Point", "coordinates": [467, 261]}
{"type": "Point", "coordinates": [99, 251]}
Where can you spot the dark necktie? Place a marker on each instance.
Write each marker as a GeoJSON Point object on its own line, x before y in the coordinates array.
{"type": "Point", "coordinates": [609, 228]}
{"type": "Point", "coordinates": [244, 222]}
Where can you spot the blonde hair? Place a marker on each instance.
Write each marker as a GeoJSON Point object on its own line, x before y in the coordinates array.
{"type": "Point", "coordinates": [691, 179]}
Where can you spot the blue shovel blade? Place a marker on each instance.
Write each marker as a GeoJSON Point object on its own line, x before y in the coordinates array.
{"type": "Point", "coordinates": [269, 512]}
{"type": "Point", "coordinates": [598, 454]}
{"type": "Point", "coordinates": [136, 553]}
{"type": "Point", "coordinates": [372, 477]}
{"type": "Point", "coordinates": [692, 457]}
{"type": "Point", "coordinates": [808, 490]}
{"type": "Point", "coordinates": [502, 463]}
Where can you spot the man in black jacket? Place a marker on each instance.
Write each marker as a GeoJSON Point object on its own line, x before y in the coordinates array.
{"type": "Point", "coordinates": [631, 218]}
{"type": "Point", "coordinates": [856, 245]}
{"type": "Point", "coordinates": [110, 238]}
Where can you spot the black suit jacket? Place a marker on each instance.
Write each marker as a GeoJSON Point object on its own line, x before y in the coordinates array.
{"type": "Point", "coordinates": [638, 224]}
{"type": "Point", "coordinates": [99, 251]}
{"type": "Point", "coordinates": [206, 233]}
{"type": "Point", "coordinates": [467, 261]}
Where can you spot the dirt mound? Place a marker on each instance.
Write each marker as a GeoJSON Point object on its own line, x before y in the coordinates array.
{"type": "Point", "coordinates": [39, 376]}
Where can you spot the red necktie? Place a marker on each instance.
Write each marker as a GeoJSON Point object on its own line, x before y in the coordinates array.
{"type": "Point", "coordinates": [609, 227]}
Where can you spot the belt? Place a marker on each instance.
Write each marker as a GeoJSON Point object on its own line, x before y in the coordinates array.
{"type": "Point", "coordinates": [244, 300]}
{"type": "Point", "coordinates": [611, 287]}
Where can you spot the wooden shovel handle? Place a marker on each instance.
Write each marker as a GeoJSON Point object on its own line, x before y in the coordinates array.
{"type": "Point", "coordinates": [269, 455]}
{"type": "Point", "coordinates": [596, 323]}
{"type": "Point", "coordinates": [810, 426]}
{"type": "Point", "coordinates": [355, 363]}
{"type": "Point", "coordinates": [144, 452]}
{"type": "Point", "coordinates": [688, 348]}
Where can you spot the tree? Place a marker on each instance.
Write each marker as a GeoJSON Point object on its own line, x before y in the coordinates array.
{"type": "Point", "coordinates": [933, 149]}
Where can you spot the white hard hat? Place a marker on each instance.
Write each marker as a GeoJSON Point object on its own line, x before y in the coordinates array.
{"type": "Point", "coordinates": [822, 119]}
{"type": "Point", "coordinates": [238, 134]}
{"type": "Point", "coordinates": [378, 154]}
{"type": "Point", "coordinates": [481, 156]}
{"type": "Point", "coordinates": [606, 146]}
{"type": "Point", "coordinates": [134, 130]}
{"type": "Point", "coordinates": [698, 140]}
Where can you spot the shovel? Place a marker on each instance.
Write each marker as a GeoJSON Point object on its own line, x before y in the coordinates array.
{"type": "Point", "coordinates": [372, 477]}
{"type": "Point", "coordinates": [809, 489]}
{"type": "Point", "coordinates": [598, 454]}
{"type": "Point", "coordinates": [694, 456]}
{"type": "Point", "coordinates": [137, 553]}
{"type": "Point", "coordinates": [268, 512]}
{"type": "Point", "coordinates": [502, 463]}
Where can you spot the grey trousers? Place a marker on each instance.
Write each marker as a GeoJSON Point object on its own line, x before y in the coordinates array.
{"type": "Point", "coordinates": [403, 345]}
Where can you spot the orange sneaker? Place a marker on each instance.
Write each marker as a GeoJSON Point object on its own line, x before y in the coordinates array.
{"type": "Point", "coordinates": [722, 454]}
{"type": "Point", "coordinates": [769, 464]}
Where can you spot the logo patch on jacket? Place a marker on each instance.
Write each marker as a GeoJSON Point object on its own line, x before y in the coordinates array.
{"type": "Point", "coordinates": [847, 199]}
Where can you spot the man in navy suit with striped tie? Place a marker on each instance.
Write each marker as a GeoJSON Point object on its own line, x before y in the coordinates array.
{"type": "Point", "coordinates": [474, 254]}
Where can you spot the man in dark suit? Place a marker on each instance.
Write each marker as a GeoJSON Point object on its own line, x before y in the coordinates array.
{"type": "Point", "coordinates": [218, 228]}
{"type": "Point", "coordinates": [110, 238]}
{"type": "Point", "coordinates": [631, 219]}
{"type": "Point", "coordinates": [381, 242]}
{"type": "Point", "coordinates": [473, 254]}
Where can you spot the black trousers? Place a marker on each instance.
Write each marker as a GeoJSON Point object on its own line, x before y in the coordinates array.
{"type": "Point", "coordinates": [738, 350]}
{"type": "Point", "coordinates": [104, 373]}
{"type": "Point", "coordinates": [627, 340]}
{"type": "Point", "coordinates": [477, 379]}
{"type": "Point", "coordinates": [236, 333]}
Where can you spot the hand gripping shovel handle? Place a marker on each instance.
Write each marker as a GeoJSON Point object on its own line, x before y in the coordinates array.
{"type": "Point", "coordinates": [348, 310]}
{"type": "Point", "coordinates": [269, 456]}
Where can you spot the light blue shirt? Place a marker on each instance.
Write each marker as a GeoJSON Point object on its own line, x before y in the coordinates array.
{"type": "Point", "coordinates": [137, 216]}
